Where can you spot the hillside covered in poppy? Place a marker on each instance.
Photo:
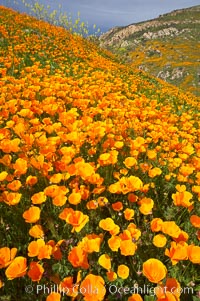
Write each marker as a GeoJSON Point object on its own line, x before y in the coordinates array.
{"type": "Point", "coordinates": [99, 173]}
{"type": "Point", "coordinates": [167, 47]}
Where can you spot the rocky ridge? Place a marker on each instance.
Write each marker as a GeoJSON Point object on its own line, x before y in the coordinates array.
{"type": "Point", "coordinates": [158, 46]}
{"type": "Point", "coordinates": [149, 30]}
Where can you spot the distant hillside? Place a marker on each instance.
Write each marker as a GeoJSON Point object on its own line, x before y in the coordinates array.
{"type": "Point", "coordinates": [167, 47]}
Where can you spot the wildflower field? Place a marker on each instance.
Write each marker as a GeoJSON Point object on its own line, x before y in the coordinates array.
{"type": "Point", "coordinates": [99, 173]}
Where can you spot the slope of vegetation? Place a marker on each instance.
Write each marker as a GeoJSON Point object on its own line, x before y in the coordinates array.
{"type": "Point", "coordinates": [167, 47]}
{"type": "Point", "coordinates": [99, 173]}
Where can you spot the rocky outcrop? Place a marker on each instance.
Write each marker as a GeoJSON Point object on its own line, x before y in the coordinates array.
{"type": "Point", "coordinates": [153, 29]}
{"type": "Point", "coordinates": [166, 47]}
{"type": "Point", "coordinates": [173, 74]}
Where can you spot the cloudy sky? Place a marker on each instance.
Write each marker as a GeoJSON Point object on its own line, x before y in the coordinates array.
{"type": "Point", "coordinates": [109, 13]}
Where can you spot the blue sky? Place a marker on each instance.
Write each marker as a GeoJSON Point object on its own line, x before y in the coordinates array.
{"type": "Point", "coordinates": [109, 13]}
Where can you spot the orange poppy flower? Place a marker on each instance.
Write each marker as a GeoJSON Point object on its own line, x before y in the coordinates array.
{"type": "Point", "coordinates": [9, 146]}
{"type": "Point", "coordinates": [84, 191]}
{"type": "Point", "coordinates": [151, 154]}
{"type": "Point", "coordinates": [127, 247]}
{"type": "Point", "coordinates": [182, 199]}
{"type": "Point", "coordinates": [36, 231]}
{"type": "Point", "coordinates": [20, 166]}
{"type": "Point", "coordinates": [125, 235]}
{"type": "Point", "coordinates": [17, 268]}
{"type": "Point", "coordinates": [135, 233]}
{"type": "Point", "coordinates": [135, 297]}
{"type": "Point", "coordinates": [145, 188]}
{"type": "Point", "coordinates": [71, 170]}
{"type": "Point", "coordinates": [138, 143]}
{"type": "Point", "coordinates": [114, 243]}
{"type": "Point", "coordinates": [31, 180]}
{"type": "Point", "coordinates": [104, 159]}
{"type": "Point", "coordinates": [146, 206]}
{"type": "Point", "coordinates": [117, 206]}
{"type": "Point", "coordinates": [92, 205]}
{"type": "Point", "coordinates": [145, 167]}
{"type": "Point", "coordinates": [129, 214]}
{"type": "Point", "coordinates": [99, 189]}
{"type": "Point", "coordinates": [171, 285]}
{"type": "Point", "coordinates": [194, 254]}
{"type": "Point", "coordinates": [196, 188]}
{"type": "Point", "coordinates": [32, 215]}
{"type": "Point", "coordinates": [156, 171]}
{"type": "Point", "coordinates": [123, 271]}
{"type": "Point", "coordinates": [133, 183]}
{"type": "Point", "coordinates": [54, 190]}
{"type": "Point", "coordinates": [186, 170]}
{"type": "Point", "coordinates": [53, 297]}
{"type": "Point", "coordinates": [67, 285]}
{"type": "Point", "coordinates": [93, 288]}
{"type": "Point", "coordinates": [35, 271]}
{"type": "Point", "coordinates": [77, 219]}
{"type": "Point", "coordinates": [107, 224]}
{"type": "Point", "coordinates": [11, 198]}
{"type": "Point", "coordinates": [6, 256]}
{"type": "Point", "coordinates": [56, 178]}
{"type": "Point", "coordinates": [154, 270]}
{"type": "Point", "coordinates": [180, 188]}
{"type": "Point", "coordinates": [115, 188]}
{"type": "Point", "coordinates": [195, 221]}
{"type": "Point", "coordinates": [124, 171]}
{"type": "Point", "coordinates": [168, 177]}
{"type": "Point", "coordinates": [119, 144]}
{"type": "Point", "coordinates": [168, 296]}
{"type": "Point", "coordinates": [132, 198]}
{"type": "Point", "coordinates": [156, 224]}
{"type": "Point", "coordinates": [126, 185]}
{"type": "Point", "coordinates": [78, 258]}
{"type": "Point", "coordinates": [68, 150]}
{"type": "Point", "coordinates": [63, 215]}
{"type": "Point", "coordinates": [183, 236]}
{"type": "Point", "coordinates": [159, 240]}
{"type": "Point", "coordinates": [92, 242]}
{"type": "Point", "coordinates": [56, 250]}
{"type": "Point", "coordinates": [35, 246]}
{"type": "Point", "coordinates": [112, 276]}
{"type": "Point", "coordinates": [14, 185]}
{"type": "Point", "coordinates": [130, 162]}
{"type": "Point", "coordinates": [74, 198]}
{"type": "Point", "coordinates": [96, 179]}
{"type": "Point", "coordinates": [84, 170]}
{"type": "Point", "coordinates": [115, 230]}
{"type": "Point", "coordinates": [59, 200]}
{"type": "Point", "coordinates": [105, 261]}
{"type": "Point", "coordinates": [6, 160]}
{"type": "Point", "coordinates": [170, 228]}
{"type": "Point", "coordinates": [102, 201]}
{"type": "Point", "coordinates": [38, 198]}
{"type": "Point", "coordinates": [177, 252]}
{"type": "Point", "coordinates": [45, 252]}
{"type": "Point", "coordinates": [3, 175]}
